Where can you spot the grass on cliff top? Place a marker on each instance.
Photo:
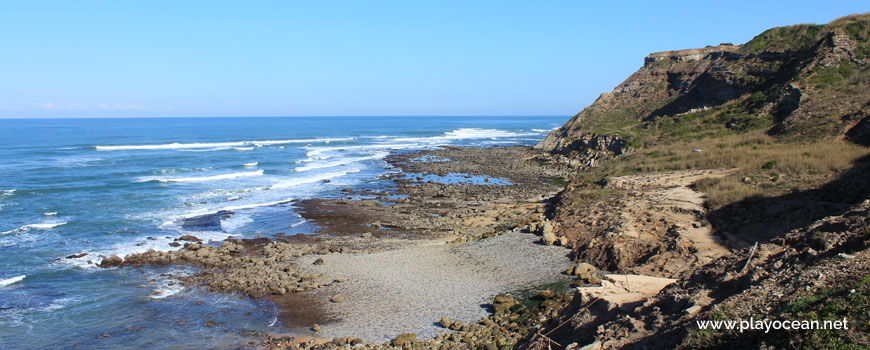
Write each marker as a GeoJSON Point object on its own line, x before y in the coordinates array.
{"type": "Point", "coordinates": [785, 39]}
{"type": "Point", "coordinates": [803, 36]}
{"type": "Point", "coordinates": [765, 165]}
{"type": "Point", "coordinates": [631, 118]}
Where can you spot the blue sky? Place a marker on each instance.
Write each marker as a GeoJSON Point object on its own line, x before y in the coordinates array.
{"type": "Point", "coordinates": [285, 58]}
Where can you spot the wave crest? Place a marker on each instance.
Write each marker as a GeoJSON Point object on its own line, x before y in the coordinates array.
{"type": "Point", "coordinates": [216, 145]}
{"type": "Point", "coordinates": [228, 176]}
{"type": "Point", "coordinates": [12, 280]}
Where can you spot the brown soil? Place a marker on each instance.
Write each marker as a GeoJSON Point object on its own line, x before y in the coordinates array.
{"type": "Point", "coordinates": [651, 224]}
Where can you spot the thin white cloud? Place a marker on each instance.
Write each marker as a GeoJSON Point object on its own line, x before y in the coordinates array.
{"type": "Point", "coordinates": [47, 106]}
{"type": "Point", "coordinates": [121, 107]}
{"type": "Point", "coordinates": [51, 106]}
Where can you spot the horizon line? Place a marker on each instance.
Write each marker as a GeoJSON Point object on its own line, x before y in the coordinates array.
{"type": "Point", "coordinates": [293, 116]}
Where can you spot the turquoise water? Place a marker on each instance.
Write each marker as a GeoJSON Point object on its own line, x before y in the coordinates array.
{"type": "Point", "coordinates": [119, 186]}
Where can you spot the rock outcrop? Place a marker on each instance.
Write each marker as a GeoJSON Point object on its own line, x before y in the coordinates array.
{"type": "Point", "coordinates": [798, 81]}
{"type": "Point", "coordinates": [254, 270]}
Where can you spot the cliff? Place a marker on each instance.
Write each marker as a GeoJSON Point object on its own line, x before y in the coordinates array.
{"type": "Point", "coordinates": [796, 82]}
{"type": "Point", "coordinates": [739, 171]}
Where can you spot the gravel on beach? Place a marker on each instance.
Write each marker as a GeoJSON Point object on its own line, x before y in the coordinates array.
{"type": "Point", "coordinates": [409, 289]}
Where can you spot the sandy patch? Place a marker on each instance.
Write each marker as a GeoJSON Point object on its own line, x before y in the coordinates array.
{"type": "Point", "coordinates": [409, 289]}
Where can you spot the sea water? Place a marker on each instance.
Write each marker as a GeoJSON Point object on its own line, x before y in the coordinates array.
{"type": "Point", "coordinates": [98, 187]}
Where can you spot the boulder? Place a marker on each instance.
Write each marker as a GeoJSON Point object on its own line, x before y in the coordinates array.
{"type": "Point", "coordinates": [112, 261]}
{"type": "Point", "coordinates": [445, 321]}
{"type": "Point", "coordinates": [502, 303]}
{"type": "Point", "coordinates": [586, 272]}
{"type": "Point", "coordinates": [405, 339]}
{"type": "Point", "coordinates": [547, 227]}
{"type": "Point", "coordinates": [547, 294]}
{"type": "Point", "coordinates": [340, 298]}
{"type": "Point", "coordinates": [203, 253]}
{"type": "Point", "coordinates": [504, 298]}
{"type": "Point", "coordinates": [549, 238]}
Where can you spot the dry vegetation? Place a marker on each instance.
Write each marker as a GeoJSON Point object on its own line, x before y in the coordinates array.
{"type": "Point", "coordinates": [764, 164]}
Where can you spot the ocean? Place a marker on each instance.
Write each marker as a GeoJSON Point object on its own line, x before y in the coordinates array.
{"type": "Point", "coordinates": [72, 190]}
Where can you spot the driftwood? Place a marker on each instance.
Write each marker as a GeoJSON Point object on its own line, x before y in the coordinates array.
{"type": "Point", "coordinates": [751, 253]}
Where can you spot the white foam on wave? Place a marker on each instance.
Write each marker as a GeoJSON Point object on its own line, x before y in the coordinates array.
{"type": "Point", "coordinates": [207, 149]}
{"type": "Point", "coordinates": [543, 130]}
{"type": "Point", "coordinates": [250, 198]}
{"type": "Point", "coordinates": [236, 221]}
{"type": "Point", "coordinates": [311, 179]}
{"type": "Point", "coordinates": [44, 226]}
{"type": "Point", "coordinates": [50, 213]}
{"type": "Point", "coordinates": [397, 143]}
{"type": "Point", "coordinates": [166, 287]}
{"type": "Point", "coordinates": [60, 304]}
{"type": "Point", "coordinates": [76, 161]}
{"type": "Point", "coordinates": [40, 226]}
{"type": "Point", "coordinates": [310, 159]}
{"type": "Point", "coordinates": [465, 134]}
{"type": "Point", "coordinates": [12, 280]}
{"type": "Point", "coordinates": [174, 145]}
{"type": "Point", "coordinates": [477, 133]}
{"type": "Point", "coordinates": [284, 184]}
{"type": "Point", "coordinates": [142, 245]}
{"type": "Point", "coordinates": [284, 142]}
{"type": "Point", "coordinates": [214, 145]}
{"type": "Point", "coordinates": [167, 291]}
{"type": "Point", "coordinates": [4, 195]}
{"type": "Point", "coordinates": [342, 161]}
{"type": "Point", "coordinates": [317, 151]}
{"type": "Point", "coordinates": [250, 165]}
{"type": "Point", "coordinates": [243, 148]}
{"type": "Point", "coordinates": [228, 176]}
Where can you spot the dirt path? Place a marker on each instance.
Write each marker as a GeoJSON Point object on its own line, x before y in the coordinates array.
{"type": "Point", "coordinates": [620, 290]}
{"type": "Point", "coordinates": [409, 289]}
{"type": "Point", "coordinates": [667, 197]}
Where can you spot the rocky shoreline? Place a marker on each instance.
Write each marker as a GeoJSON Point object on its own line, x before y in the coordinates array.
{"type": "Point", "coordinates": [448, 197]}
{"type": "Point", "coordinates": [441, 257]}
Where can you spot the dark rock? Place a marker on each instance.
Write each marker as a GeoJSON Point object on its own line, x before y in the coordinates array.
{"type": "Point", "coordinates": [208, 222]}
{"type": "Point", "coordinates": [189, 238]}
{"type": "Point", "coordinates": [405, 339]}
{"type": "Point", "coordinates": [112, 261]}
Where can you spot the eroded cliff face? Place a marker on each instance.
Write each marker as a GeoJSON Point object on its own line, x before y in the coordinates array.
{"type": "Point", "coordinates": [599, 130]}
{"type": "Point", "coordinates": [799, 81]}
